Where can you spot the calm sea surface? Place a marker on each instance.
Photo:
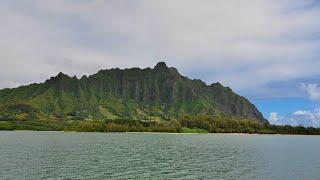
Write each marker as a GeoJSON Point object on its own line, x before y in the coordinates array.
{"type": "Point", "coordinates": [69, 155]}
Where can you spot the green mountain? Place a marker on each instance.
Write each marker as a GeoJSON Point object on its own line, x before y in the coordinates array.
{"type": "Point", "coordinates": [155, 94]}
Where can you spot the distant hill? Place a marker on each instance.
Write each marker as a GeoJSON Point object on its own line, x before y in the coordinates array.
{"type": "Point", "coordinates": [161, 93]}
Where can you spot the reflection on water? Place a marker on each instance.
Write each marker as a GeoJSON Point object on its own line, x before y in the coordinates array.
{"type": "Point", "coordinates": [68, 155]}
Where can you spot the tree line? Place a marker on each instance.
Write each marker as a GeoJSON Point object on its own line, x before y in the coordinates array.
{"type": "Point", "coordinates": [196, 124]}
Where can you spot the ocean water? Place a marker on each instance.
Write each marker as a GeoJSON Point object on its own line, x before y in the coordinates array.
{"type": "Point", "coordinates": [71, 155]}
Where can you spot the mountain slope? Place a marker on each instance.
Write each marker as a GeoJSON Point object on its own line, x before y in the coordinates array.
{"type": "Point", "coordinates": [160, 93]}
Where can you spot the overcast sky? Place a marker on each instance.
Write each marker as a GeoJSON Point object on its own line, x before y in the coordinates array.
{"type": "Point", "coordinates": [266, 50]}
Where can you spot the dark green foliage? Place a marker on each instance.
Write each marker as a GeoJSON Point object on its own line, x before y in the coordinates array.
{"type": "Point", "coordinates": [31, 125]}
{"type": "Point", "coordinates": [187, 124]}
{"type": "Point", "coordinates": [228, 124]}
{"type": "Point", "coordinates": [18, 112]}
{"type": "Point", "coordinates": [219, 123]}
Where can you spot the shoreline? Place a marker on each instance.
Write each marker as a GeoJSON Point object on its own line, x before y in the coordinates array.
{"type": "Point", "coordinates": [172, 133]}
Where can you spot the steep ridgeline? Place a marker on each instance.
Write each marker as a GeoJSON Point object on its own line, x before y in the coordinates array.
{"type": "Point", "coordinates": [160, 93]}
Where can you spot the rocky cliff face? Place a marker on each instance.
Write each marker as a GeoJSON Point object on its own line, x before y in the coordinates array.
{"type": "Point", "coordinates": [160, 93]}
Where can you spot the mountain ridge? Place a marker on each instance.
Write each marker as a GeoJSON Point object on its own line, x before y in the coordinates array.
{"type": "Point", "coordinates": [158, 93]}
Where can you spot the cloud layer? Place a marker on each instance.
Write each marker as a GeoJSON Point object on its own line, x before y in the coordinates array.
{"type": "Point", "coordinates": [312, 90]}
{"type": "Point", "coordinates": [300, 117]}
{"type": "Point", "coordinates": [245, 45]}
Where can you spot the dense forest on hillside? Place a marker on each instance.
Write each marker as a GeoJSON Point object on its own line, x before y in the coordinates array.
{"type": "Point", "coordinates": [151, 94]}
{"type": "Point", "coordinates": [155, 99]}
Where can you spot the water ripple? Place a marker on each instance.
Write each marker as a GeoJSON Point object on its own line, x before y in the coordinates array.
{"type": "Point", "coordinates": [66, 155]}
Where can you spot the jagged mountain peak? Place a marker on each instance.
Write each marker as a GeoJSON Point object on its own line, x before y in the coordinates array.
{"type": "Point", "coordinates": [161, 66]}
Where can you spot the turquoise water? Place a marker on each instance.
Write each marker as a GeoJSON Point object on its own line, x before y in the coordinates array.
{"type": "Point", "coordinates": [70, 155]}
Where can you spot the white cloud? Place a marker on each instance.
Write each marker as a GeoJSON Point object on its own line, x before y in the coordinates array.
{"type": "Point", "coordinates": [273, 118]}
{"type": "Point", "coordinates": [300, 117]}
{"type": "Point", "coordinates": [302, 113]}
{"type": "Point", "coordinates": [241, 44]}
{"type": "Point", "coordinates": [309, 118]}
{"type": "Point", "coordinates": [313, 90]}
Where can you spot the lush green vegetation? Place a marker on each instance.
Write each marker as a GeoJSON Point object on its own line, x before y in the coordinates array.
{"type": "Point", "coordinates": [192, 130]}
{"type": "Point", "coordinates": [186, 124]}
{"type": "Point", "coordinates": [91, 126]}
{"type": "Point", "coordinates": [229, 124]}
{"type": "Point", "coordinates": [150, 94]}
{"type": "Point", "coordinates": [133, 100]}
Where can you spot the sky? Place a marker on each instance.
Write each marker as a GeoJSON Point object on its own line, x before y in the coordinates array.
{"type": "Point", "coordinates": [265, 50]}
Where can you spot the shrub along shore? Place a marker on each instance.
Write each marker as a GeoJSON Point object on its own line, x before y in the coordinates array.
{"type": "Point", "coordinates": [186, 124]}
